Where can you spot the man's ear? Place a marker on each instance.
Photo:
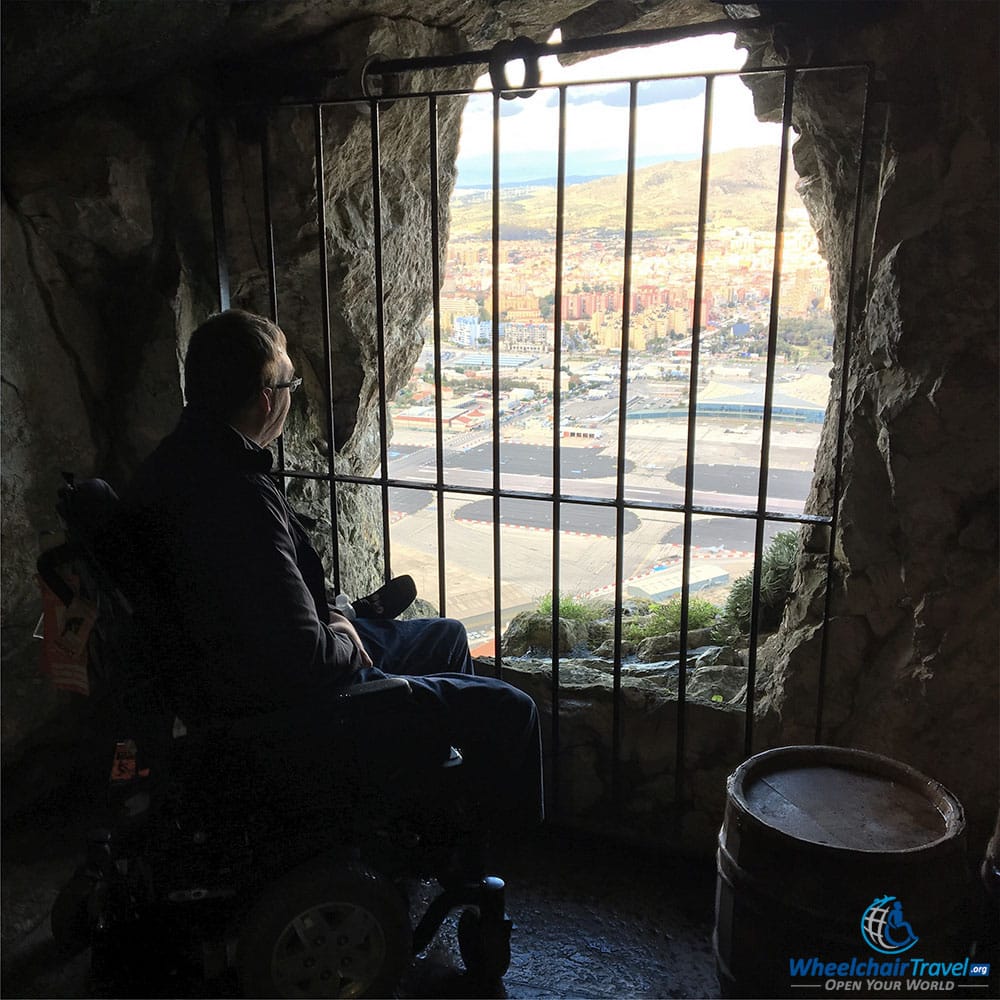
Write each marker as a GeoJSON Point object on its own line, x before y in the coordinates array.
{"type": "Point", "coordinates": [266, 400]}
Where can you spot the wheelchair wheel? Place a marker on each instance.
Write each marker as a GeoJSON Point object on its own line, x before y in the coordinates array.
{"type": "Point", "coordinates": [484, 946]}
{"type": "Point", "coordinates": [325, 930]}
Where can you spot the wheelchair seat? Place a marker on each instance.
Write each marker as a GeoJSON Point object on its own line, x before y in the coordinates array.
{"type": "Point", "coordinates": [239, 834]}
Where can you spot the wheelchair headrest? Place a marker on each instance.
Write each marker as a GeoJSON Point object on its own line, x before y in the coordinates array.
{"type": "Point", "coordinates": [89, 507]}
{"type": "Point", "coordinates": [93, 516]}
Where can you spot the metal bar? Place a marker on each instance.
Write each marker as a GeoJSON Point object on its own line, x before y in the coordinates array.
{"type": "Point", "coordinates": [571, 498]}
{"type": "Point", "coordinates": [765, 443]}
{"type": "Point", "coordinates": [556, 431]}
{"type": "Point", "coordinates": [272, 278]}
{"type": "Point", "coordinates": [324, 271]}
{"type": "Point", "coordinates": [467, 91]}
{"type": "Point", "coordinates": [760, 515]}
{"type": "Point", "coordinates": [218, 210]}
{"type": "Point", "coordinates": [838, 465]}
{"type": "Point", "coordinates": [383, 441]}
{"type": "Point", "coordinates": [616, 713]}
{"type": "Point", "coordinates": [495, 345]}
{"type": "Point", "coordinates": [592, 43]}
{"type": "Point", "coordinates": [432, 133]}
{"type": "Point", "coordinates": [699, 281]}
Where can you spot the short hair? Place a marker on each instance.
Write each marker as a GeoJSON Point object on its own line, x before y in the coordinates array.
{"type": "Point", "coordinates": [229, 358]}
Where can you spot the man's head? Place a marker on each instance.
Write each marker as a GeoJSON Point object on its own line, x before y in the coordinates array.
{"type": "Point", "coordinates": [234, 366]}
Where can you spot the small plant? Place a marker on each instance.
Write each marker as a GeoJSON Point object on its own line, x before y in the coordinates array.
{"type": "Point", "coordinates": [776, 571]}
{"type": "Point", "coordinates": [734, 619]}
{"type": "Point", "coordinates": [570, 607]}
{"type": "Point", "coordinates": [664, 618]}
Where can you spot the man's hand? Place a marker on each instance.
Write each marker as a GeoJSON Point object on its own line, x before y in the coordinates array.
{"type": "Point", "coordinates": [343, 625]}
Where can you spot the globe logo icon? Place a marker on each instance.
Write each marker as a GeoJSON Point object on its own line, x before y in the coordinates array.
{"type": "Point", "coordinates": [884, 929]}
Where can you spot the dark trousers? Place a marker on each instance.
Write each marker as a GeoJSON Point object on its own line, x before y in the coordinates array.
{"type": "Point", "coordinates": [492, 723]}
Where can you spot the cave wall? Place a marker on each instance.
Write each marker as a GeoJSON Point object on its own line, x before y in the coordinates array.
{"type": "Point", "coordinates": [108, 265]}
{"type": "Point", "coordinates": [350, 278]}
{"type": "Point", "coordinates": [108, 257]}
{"type": "Point", "coordinates": [98, 275]}
{"type": "Point", "coordinates": [913, 647]}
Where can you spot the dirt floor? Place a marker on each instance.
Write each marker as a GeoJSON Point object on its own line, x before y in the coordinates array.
{"type": "Point", "coordinates": [591, 920]}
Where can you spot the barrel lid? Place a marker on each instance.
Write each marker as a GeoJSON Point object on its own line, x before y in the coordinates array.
{"type": "Point", "coordinates": [845, 798]}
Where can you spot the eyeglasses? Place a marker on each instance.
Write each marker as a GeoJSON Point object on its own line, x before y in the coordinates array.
{"type": "Point", "coordinates": [291, 385]}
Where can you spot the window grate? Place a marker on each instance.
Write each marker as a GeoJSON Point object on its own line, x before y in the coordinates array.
{"type": "Point", "coordinates": [558, 497]}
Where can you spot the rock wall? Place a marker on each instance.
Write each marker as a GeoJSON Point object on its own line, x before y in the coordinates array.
{"type": "Point", "coordinates": [108, 263]}
{"type": "Point", "coordinates": [98, 275]}
{"type": "Point", "coordinates": [404, 180]}
{"type": "Point", "coordinates": [913, 651]}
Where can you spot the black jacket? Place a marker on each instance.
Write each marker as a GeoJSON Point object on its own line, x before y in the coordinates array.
{"type": "Point", "coordinates": [236, 609]}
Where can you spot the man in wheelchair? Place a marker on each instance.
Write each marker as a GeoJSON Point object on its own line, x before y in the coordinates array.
{"type": "Point", "coordinates": [326, 748]}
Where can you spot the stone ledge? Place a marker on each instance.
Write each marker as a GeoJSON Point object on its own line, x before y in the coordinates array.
{"type": "Point", "coordinates": [648, 724]}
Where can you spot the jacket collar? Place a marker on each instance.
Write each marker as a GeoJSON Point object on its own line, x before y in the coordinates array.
{"type": "Point", "coordinates": [222, 443]}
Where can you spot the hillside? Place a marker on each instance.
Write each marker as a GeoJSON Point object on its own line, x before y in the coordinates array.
{"type": "Point", "coordinates": [741, 192]}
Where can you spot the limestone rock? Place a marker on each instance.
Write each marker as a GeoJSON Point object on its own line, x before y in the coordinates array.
{"type": "Point", "coordinates": [648, 728]}
{"type": "Point", "coordinates": [657, 647]}
{"type": "Point", "coordinates": [724, 681]}
{"type": "Point", "coordinates": [108, 264]}
{"type": "Point", "coordinates": [606, 650]}
{"type": "Point", "coordinates": [532, 631]}
{"type": "Point", "coordinates": [912, 605]}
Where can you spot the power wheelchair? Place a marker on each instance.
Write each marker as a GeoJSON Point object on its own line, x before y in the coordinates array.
{"type": "Point", "coordinates": [258, 846]}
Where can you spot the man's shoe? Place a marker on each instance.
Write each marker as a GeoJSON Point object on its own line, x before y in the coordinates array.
{"type": "Point", "coordinates": [388, 601]}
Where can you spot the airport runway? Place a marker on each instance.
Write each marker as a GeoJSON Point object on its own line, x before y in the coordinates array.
{"type": "Point", "coordinates": [583, 519]}
{"type": "Point", "coordinates": [587, 473]}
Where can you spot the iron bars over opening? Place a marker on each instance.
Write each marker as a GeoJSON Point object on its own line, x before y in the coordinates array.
{"type": "Point", "coordinates": [592, 369]}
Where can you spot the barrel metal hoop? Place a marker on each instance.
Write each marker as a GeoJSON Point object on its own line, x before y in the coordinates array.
{"type": "Point", "coordinates": [949, 807]}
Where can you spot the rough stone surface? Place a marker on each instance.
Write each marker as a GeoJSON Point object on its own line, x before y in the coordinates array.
{"type": "Point", "coordinates": [656, 647]}
{"type": "Point", "coordinates": [532, 631]}
{"type": "Point", "coordinates": [588, 922]}
{"type": "Point", "coordinates": [109, 252]}
{"type": "Point", "coordinates": [359, 362]}
{"type": "Point", "coordinates": [725, 682]}
{"type": "Point", "coordinates": [55, 57]}
{"type": "Point", "coordinates": [912, 668]}
{"type": "Point", "coordinates": [108, 264]}
{"type": "Point", "coordinates": [648, 720]}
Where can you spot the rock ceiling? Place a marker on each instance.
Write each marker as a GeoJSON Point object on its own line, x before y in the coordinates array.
{"type": "Point", "coordinates": [59, 51]}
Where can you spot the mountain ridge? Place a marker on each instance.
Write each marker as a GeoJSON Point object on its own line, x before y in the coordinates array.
{"type": "Point", "coordinates": [742, 191]}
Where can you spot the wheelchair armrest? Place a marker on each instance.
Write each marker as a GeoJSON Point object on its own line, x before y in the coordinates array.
{"type": "Point", "coordinates": [384, 694]}
{"type": "Point", "coordinates": [399, 686]}
{"type": "Point", "coordinates": [388, 695]}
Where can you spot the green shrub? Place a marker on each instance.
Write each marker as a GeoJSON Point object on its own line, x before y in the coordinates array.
{"type": "Point", "coordinates": [734, 619]}
{"type": "Point", "coordinates": [776, 572]}
{"type": "Point", "coordinates": [570, 607]}
{"type": "Point", "coordinates": [664, 618]}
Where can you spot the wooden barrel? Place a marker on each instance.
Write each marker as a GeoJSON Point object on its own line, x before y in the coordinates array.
{"type": "Point", "coordinates": [815, 842]}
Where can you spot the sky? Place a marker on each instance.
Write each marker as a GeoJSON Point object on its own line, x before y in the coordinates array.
{"type": "Point", "coordinates": [669, 120]}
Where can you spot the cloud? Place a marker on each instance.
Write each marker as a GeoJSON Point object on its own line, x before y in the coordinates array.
{"type": "Point", "coordinates": [669, 120]}
{"type": "Point", "coordinates": [616, 95]}
{"type": "Point", "coordinates": [648, 92]}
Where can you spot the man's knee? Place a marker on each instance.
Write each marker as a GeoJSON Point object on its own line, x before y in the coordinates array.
{"type": "Point", "coordinates": [456, 640]}
{"type": "Point", "coordinates": [516, 707]}
{"type": "Point", "coordinates": [455, 630]}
